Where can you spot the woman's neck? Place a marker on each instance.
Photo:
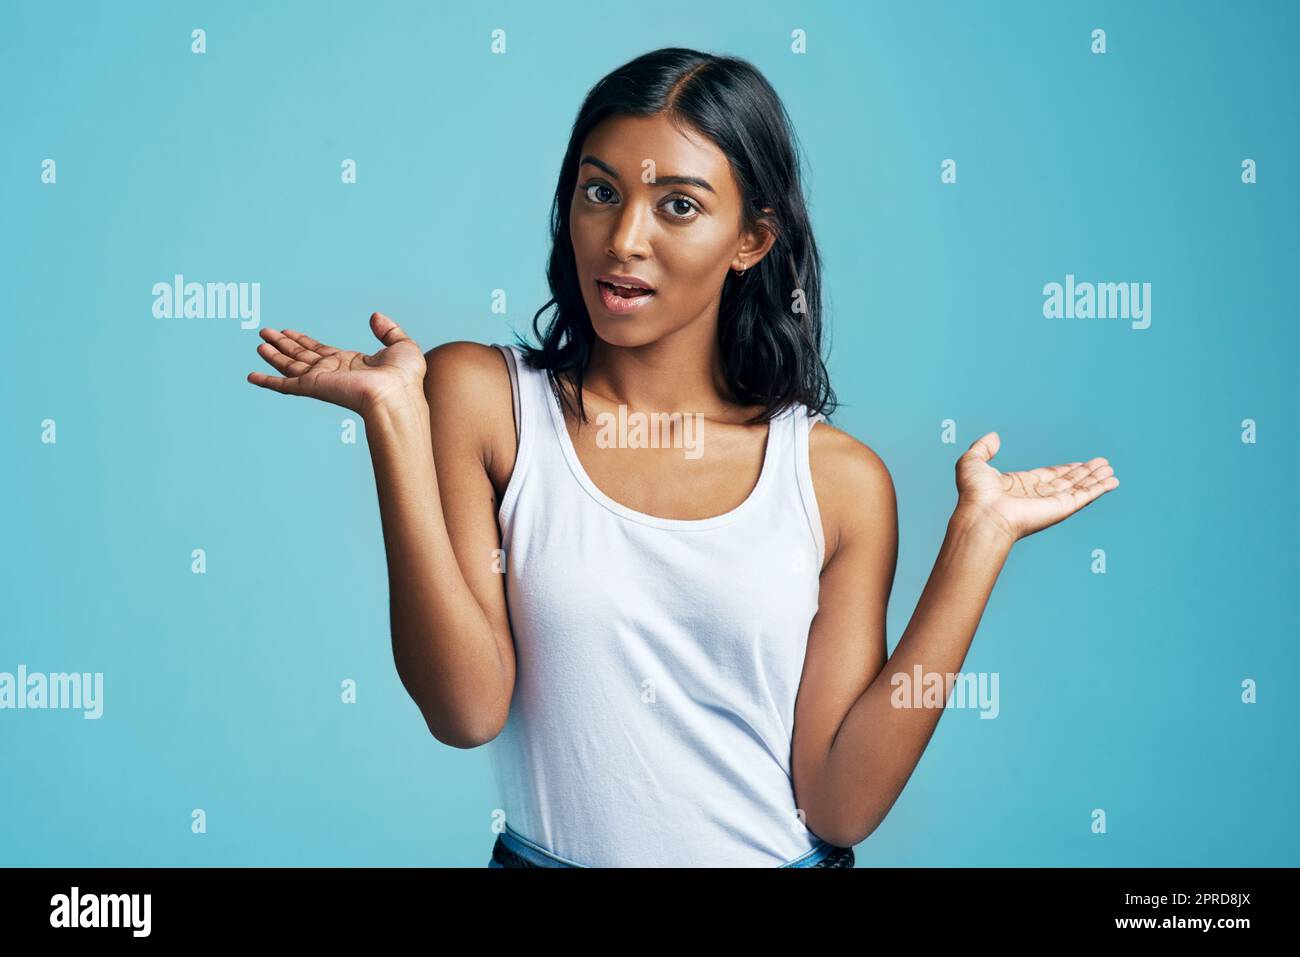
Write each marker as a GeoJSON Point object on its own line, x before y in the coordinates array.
{"type": "Point", "coordinates": [663, 376]}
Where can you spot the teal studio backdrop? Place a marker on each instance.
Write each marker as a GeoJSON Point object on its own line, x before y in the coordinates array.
{"type": "Point", "coordinates": [222, 691]}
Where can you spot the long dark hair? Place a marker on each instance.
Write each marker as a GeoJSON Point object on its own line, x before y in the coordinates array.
{"type": "Point", "coordinates": [770, 318]}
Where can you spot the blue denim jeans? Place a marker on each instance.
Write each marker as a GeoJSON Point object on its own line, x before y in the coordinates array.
{"type": "Point", "coordinates": [514, 850]}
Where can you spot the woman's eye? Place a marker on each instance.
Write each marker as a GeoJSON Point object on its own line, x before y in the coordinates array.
{"type": "Point", "coordinates": [680, 207]}
{"type": "Point", "coordinates": [682, 213]}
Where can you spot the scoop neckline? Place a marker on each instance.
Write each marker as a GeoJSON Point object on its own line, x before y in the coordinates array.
{"type": "Point", "coordinates": [644, 518]}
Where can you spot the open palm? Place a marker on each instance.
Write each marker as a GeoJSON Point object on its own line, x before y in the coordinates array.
{"type": "Point", "coordinates": [1022, 503]}
{"type": "Point", "coordinates": [353, 380]}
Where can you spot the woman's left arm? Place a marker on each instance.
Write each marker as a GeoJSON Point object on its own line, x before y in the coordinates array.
{"type": "Point", "coordinates": [858, 739]}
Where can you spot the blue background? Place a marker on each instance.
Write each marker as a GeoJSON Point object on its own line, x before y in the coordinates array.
{"type": "Point", "coordinates": [1118, 691]}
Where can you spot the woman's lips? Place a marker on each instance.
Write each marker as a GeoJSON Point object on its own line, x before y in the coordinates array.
{"type": "Point", "coordinates": [621, 305]}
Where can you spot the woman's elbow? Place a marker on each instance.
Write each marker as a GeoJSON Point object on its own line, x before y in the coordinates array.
{"type": "Point", "coordinates": [464, 734]}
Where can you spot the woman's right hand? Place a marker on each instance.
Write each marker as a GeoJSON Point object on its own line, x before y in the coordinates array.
{"type": "Point", "coordinates": [353, 380]}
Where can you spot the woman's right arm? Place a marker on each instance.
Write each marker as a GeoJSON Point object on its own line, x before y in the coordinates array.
{"type": "Point", "coordinates": [432, 449]}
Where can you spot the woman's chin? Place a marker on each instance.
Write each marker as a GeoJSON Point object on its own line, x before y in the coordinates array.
{"type": "Point", "coordinates": [626, 332]}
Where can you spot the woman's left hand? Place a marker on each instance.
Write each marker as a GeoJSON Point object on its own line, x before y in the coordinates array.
{"type": "Point", "coordinates": [1021, 503]}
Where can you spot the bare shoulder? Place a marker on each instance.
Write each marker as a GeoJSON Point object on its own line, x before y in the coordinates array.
{"type": "Point", "coordinates": [464, 361]}
{"type": "Point", "coordinates": [467, 385]}
{"type": "Point", "coordinates": [854, 489]}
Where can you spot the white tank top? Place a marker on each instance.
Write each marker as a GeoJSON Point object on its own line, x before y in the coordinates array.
{"type": "Point", "coordinates": [657, 659]}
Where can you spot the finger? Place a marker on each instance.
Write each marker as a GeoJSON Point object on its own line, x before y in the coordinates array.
{"type": "Point", "coordinates": [1077, 474]}
{"type": "Point", "coordinates": [291, 386]}
{"type": "Point", "coordinates": [1097, 478]}
{"type": "Point", "coordinates": [985, 447]}
{"type": "Point", "coordinates": [307, 342]}
{"type": "Point", "coordinates": [1086, 494]}
{"type": "Point", "coordinates": [1077, 501]}
{"type": "Point", "coordinates": [387, 331]}
{"type": "Point", "coordinates": [1068, 479]}
{"type": "Point", "coordinates": [280, 361]}
{"type": "Point", "coordinates": [290, 347]}
{"type": "Point", "coordinates": [1049, 473]}
{"type": "Point", "coordinates": [1089, 494]}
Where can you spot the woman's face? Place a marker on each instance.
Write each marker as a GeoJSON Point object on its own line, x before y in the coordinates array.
{"type": "Point", "coordinates": [659, 204]}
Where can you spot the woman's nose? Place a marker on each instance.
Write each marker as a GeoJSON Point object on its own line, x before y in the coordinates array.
{"type": "Point", "coordinates": [630, 236]}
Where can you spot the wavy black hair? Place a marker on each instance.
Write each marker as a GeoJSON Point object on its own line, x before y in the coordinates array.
{"type": "Point", "coordinates": [769, 336]}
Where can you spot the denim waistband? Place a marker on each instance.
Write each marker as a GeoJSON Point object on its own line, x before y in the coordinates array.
{"type": "Point", "coordinates": [539, 856]}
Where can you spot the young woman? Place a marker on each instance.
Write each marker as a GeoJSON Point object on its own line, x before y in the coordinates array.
{"type": "Point", "coordinates": [676, 647]}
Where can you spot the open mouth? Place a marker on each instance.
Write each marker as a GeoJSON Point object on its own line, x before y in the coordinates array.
{"type": "Point", "coordinates": [625, 292]}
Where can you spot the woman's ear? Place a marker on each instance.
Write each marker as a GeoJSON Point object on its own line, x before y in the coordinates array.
{"type": "Point", "coordinates": [757, 241]}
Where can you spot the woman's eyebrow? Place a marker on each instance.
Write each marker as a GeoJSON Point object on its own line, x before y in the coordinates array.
{"type": "Point", "coordinates": [659, 181]}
